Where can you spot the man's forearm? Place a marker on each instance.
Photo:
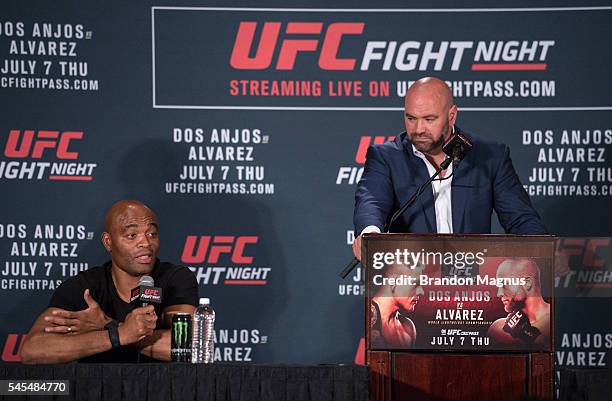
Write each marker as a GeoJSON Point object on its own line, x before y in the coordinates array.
{"type": "Point", "coordinates": [60, 348]}
{"type": "Point", "coordinates": [157, 345]}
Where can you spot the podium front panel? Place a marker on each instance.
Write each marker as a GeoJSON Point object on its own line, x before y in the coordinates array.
{"type": "Point", "coordinates": [472, 293]}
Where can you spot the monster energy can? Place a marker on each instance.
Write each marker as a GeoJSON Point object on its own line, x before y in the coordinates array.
{"type": "Point", "coordinates": [180, 350]}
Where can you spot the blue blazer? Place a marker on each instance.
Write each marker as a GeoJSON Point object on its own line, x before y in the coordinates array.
{"type": "Point", "coordinates": [484, 181]}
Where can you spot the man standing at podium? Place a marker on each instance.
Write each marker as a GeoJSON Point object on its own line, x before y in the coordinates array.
{"type": "Point", "coordinates": [461, 199]}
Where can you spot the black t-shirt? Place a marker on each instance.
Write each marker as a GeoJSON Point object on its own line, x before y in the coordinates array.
{"type": "Point", "coordinates": [178, 284]}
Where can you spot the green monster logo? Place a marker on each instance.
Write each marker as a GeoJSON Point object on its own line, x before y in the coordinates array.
{"type": "Point", "coordinates": [180, 333]}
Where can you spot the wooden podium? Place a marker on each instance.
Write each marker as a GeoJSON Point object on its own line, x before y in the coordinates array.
{"type": "Point", "coordinates": [452, 332]}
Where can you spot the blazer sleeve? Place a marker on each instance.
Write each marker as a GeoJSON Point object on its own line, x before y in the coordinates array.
{"type": "Point", "coordinates": [374, 195]}
{"type": "Point", "coordinates": [511, 202]}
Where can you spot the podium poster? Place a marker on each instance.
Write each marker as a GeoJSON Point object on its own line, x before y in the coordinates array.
{"type": "Point", "coordinates": [468, 293]}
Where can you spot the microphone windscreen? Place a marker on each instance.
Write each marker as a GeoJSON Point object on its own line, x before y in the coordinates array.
{"type": "Point", "coordinates": [457, 146]}
{"type": "Point", "coordinates": [147, 281]}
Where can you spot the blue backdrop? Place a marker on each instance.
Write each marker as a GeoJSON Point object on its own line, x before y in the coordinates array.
{"type": "Point", "coordinates": [246, 128]}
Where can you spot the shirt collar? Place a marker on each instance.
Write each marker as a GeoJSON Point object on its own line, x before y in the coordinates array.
{"type": "Point", "coordinates": [421, 155]}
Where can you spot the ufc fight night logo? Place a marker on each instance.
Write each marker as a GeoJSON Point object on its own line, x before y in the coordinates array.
{"type": "Point", "coordinates": [207, 252]}
{"type": "Point", "coordinates": [583, 263]}
{"type": "Point", "coordinates": [323, 59]}
{"type": "Point", "coordinates": [44, 154]}
{"type": "Point", "coordinates": [249, 53]}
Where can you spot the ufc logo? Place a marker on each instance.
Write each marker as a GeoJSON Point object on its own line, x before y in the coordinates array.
{"type": "Point", "coordinates": [364, 144]}
{"type": "Point", "coordinates": [12, 348]}
{"type": "Point", "coordinates": [289, 48]}
{"type": "Point", "coordinates": [34, 144]}
{"type": "Point", "coordinates": [150, 291]}
{"type": "Point", "coordinates": [514, 319]}
{"type": "Point", "coordinates": [585, 250]}
{"type": "Point", "coordinates": [201, 250]}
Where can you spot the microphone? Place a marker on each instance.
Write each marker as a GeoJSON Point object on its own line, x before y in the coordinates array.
{"type": "Point", "coordinates": [457, 147]}
{"type": "Point", "coordinates": [145, 293]}
{"type": "Point", "coordinates": [147, 281]}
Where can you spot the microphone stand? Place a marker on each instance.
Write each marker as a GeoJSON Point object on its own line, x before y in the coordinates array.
{"type": "Point", "coordinates": [443, 166]}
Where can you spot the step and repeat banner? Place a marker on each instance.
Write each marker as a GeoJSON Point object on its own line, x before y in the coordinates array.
{"type": "Point", "coordinates": [245, 129]}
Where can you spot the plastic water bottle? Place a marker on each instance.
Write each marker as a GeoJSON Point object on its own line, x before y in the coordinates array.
{"type": "Point", "coordinates": [202, 340]}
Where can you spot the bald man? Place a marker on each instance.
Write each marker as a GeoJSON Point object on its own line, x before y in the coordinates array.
{"type": "Point", "coordinates": [390, 325]}
{"type": "Point", "coordinates": [528, 320]}
{"type": "Point", "coordinates": [459, 201]}
{"type": "Point", "coordinates": [90, 318]}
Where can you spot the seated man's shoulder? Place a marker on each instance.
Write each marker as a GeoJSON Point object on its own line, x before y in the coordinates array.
{"type": "Point", "coordinates": [89, 277]}
{"type": "Point", "coordinates": [169, 267]}
{"type": "Point", "coordinates": [170, 270]}
{"type": "Point", "coordinates": [179, 283]}
{"type": "Point", "coordinates": [69, 295]}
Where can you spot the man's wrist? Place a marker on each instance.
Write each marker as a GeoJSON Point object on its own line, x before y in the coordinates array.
{"type": "Point", "coordinates": [112, 328]}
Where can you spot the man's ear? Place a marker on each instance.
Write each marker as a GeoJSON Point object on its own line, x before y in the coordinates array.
{"type": "Point", "coordinates": [452, 114]}
{"type": "Point", "coordinates": [106, 241]}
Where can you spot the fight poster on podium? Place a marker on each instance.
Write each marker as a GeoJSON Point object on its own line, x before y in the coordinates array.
{"type": "Point", "coordinates": [459, 292]}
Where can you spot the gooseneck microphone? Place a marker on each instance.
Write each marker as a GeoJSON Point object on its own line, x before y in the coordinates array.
{"type": "Point", "coordinates": [455, 148]}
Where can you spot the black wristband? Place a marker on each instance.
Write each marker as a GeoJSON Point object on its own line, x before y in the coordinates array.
{"type": "Point", "coordinates": [113, 333]}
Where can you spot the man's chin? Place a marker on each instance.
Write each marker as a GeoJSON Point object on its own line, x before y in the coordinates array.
{"type": "Point", "coordinates": [423, 149]}
{"type": "Point", "coordinates": [426, 144]}
{"type": "Point", "coordinates": [141, 269]}
{"type": "Point", "coordinates": [422, 146]}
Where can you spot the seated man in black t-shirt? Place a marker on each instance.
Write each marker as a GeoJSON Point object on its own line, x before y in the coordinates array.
{"type": "Point", "coordinates": [90, 318]}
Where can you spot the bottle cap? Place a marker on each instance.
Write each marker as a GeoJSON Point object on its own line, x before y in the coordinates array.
{"type": "Point", "coordinates": [204, 301]}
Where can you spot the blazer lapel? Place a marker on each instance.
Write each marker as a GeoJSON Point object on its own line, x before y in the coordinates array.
{"type": "Point", "coordinates": [460, 191]}
{"type": "Point", "coordinates": [426, 201]}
